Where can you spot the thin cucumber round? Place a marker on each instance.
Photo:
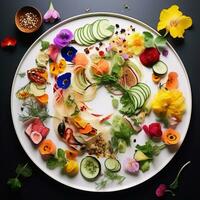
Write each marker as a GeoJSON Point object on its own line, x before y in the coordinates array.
{"type": "Point", "coordinates": [95, 32]}
{"type": "Point", "coordinates": [90, 168]}
{"type": "Point", "coordinates": [105, 29]}
{"type": "Point", "coordinates": [76, 37]}
{"type": "Point", "coordinates": [112, 165]}
{"type": "Point", "coordinates": [160, 68]}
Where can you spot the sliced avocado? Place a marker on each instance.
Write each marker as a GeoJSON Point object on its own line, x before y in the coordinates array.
{"type": "Point", "coordinates": [140, 156]}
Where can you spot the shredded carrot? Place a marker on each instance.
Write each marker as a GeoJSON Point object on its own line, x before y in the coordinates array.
{"type": "Point", "coordinates": [172, 81]}
{"type": "Point", "coordinates": [102, 67]}
{"type": "Point", "coordinates": [43, 99]}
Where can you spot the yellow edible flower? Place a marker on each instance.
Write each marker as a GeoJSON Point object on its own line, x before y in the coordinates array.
{"type": "Point", "coordinates": [173, 20]}
{"type": "Point", "coordinates": [135, 43]}
{"type": "Point", "coordinates": [169, 103]}
{"type": "Point", "coordinates": [57, 68]}
{"type": "Point", "coordinates": [71, 167]}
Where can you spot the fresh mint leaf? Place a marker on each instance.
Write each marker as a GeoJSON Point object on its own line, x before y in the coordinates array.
{"type": "Point", "coordinates": [52, 163]}
{"type": "Point", "coordinates": [23, 170]}
{"type": "Point", "coordinates": [44, 45]}
{"type": "Point", "coordinates": [148, 39]}
{"type": "Point", "coordinates": [160, 41]}
{"type": "Point", "coordinates": [14, 183]}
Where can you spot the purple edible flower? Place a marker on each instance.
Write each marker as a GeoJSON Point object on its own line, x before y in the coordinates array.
{"type": "Point", "coordinates": [165, 52]}
{"type": "Point", "coordinates": [131, 165]}
{"type": "Point", "coordinates": [63, 38]}
{"type": "Point", "coordinates": [51, 15]}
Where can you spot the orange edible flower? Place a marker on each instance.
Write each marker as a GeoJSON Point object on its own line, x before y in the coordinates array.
{"type": "Point", "coordinates": [170, 136]}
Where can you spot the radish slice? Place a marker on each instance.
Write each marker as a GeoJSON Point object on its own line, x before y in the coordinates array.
{"type": "Point", "coordinates": [36, 137]}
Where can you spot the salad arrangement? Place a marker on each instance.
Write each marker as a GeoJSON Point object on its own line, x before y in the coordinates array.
{"type": "Point", "coordinates": [112, 57]}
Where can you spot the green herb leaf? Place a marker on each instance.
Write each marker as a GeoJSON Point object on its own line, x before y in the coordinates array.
{"type": "Point", "coordinates": [109, 177]}
{"type": "Point", "coordinates": [163, 120]}
{"type": "Point", "coordinates": [115, 103]}
{"type": "Point", "coordinates": [22, 74]}
{"type": "Point", "coordinates": [160, 41]}
{"type": "Point", "coordinates": [44, 45]}
{"type": "Point", "coordinates": [61, 153]}
{"type": "Point", "coordinates": [52, 163]}
{"type": "Point", "coordinates": [14, 183]}
{"type": "Point", "coordinates": [23, 170]}
{"type": "Point", "coordinates": [148, 39]}
{"type": "Point", "coordinates": [33, 109]}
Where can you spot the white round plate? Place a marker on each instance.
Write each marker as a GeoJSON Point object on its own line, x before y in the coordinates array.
{"type": "Point", "coordinates": [28, 61]}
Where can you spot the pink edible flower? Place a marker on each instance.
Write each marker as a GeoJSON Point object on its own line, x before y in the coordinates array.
{"type": "Point", "coordinates": [51, 15]}
{"type": "Point", "coordinates": [53, 52]}
{"type": "Point", "coordinates": [153, 130]}
{"type": "Point", "coordinates": [131, 165]}
{"type": "Point", "coordinates": [161, 189]}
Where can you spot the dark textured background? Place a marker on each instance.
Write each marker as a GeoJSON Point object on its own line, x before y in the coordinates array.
{"type": "Point", "coordinates": [41, 186]}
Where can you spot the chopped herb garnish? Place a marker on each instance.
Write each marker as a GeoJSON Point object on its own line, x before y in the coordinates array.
{"type": "Point", "coordinates": [33, 109]}
{"type": "Point", "coordinates": [108, 178]}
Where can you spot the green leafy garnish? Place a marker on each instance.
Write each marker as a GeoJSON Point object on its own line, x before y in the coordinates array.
{"type": "Point", "coordinates": [163, 120]}
{"type": "Point", "coordinates": [59, 160]}
{"type": "Point", "coordinates": [109, 177]}
{"type": "Point", "coordinates": [160, 41]}
{"type": "Point", "coordinates": [70, 102]}
{"type": "Point", "coordinates": [121, 133]}
{"type": "Point", "coordinates": [21, 171]}
{"type": "Point", "coordinates": [22, 74]}
{"type": "Point", "coordinates": [148, 39]}
{"type": "Point", "coordinates": [44, 45]}
{"type": "Point", "coordinates": [115, 103]}
{"type": "Point", "coordinates": [150, 148]}
{"type": "Point", "coordinates": [33, 109]}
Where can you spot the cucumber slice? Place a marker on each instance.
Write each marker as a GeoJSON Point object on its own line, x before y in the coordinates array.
{"type": "Point", "coordinates": [35, 91]}
{"type": "Point", "coordinates": [105, 29]}
{"type": "Point", "coordinates": [90, 168]}
{"type": "Point", "coordinates": [76, 37]}
{"type": "Point", "coordinates": [146, 87]}
{"type": "Point", "coordinates": [139, 94]}
{"type": "Point", "coordinates": [95, 32]}
{"type": "Point", "coordinates": [160, 68]}
{"type": "Point", "coordinates": [82, 38]}
{"type": "Point", "coordinates": [112, 165]}
{"type": "Point", "coordinates": [89, 28]}
{"type": "Point", "coordinates": [85, 35]}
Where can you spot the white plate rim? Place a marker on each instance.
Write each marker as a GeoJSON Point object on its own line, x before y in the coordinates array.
{"type": "Point", "coordinates": [109, 14]}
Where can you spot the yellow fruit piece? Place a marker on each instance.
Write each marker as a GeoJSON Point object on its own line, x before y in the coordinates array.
{"type": "Point", "coordinates": [71, 168]}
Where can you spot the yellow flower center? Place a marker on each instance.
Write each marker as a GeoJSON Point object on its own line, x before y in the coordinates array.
{"type": "Point", "coordinates": [137, 42]}
{"type": "Point", "coordinates": [174, 23]}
